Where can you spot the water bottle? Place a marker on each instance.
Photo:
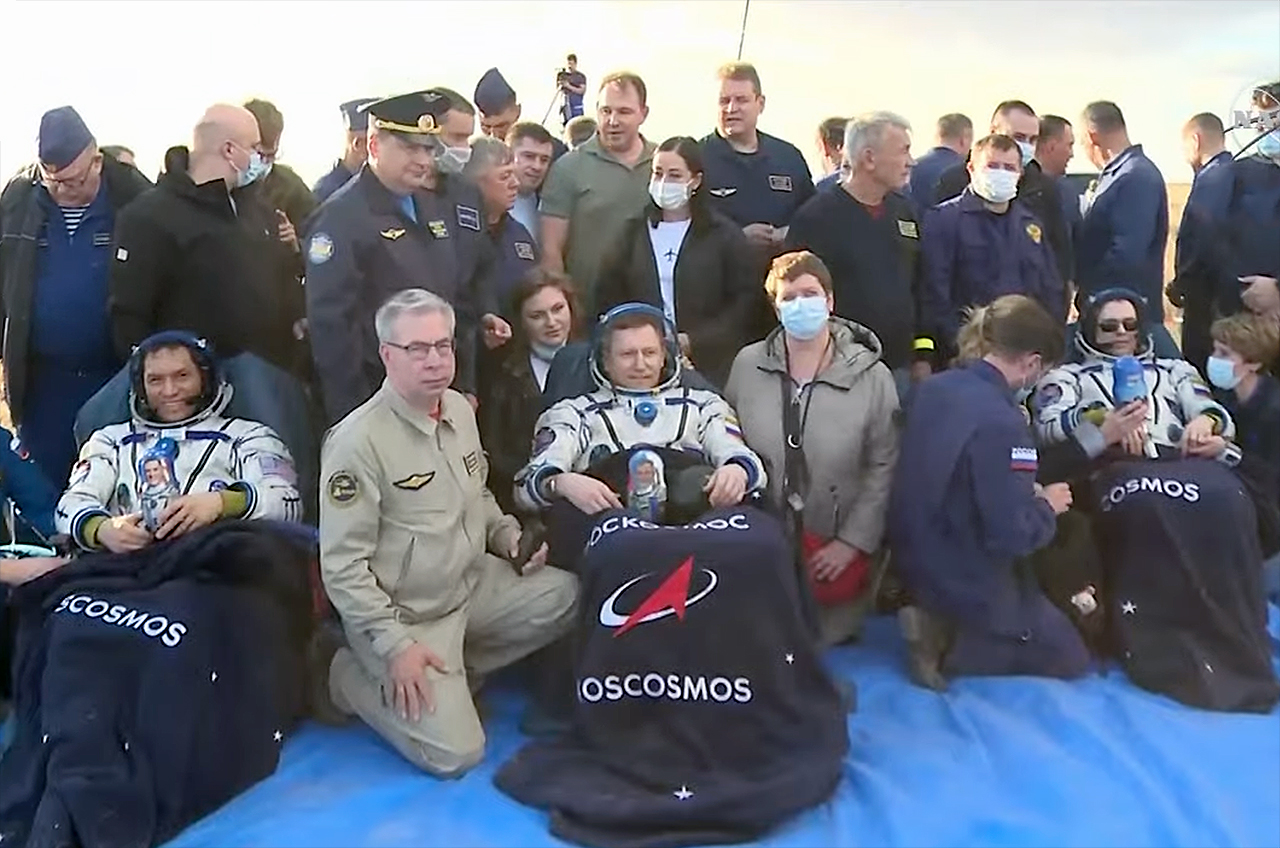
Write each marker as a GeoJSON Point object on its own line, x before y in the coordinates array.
{"type": "Point", "coordinates": [1129, 381]}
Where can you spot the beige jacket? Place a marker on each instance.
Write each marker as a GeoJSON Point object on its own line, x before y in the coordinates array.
{"type": "Point", "coordinates": [405, 515]}
{"type": "Point", "coordinates": [850, 432]}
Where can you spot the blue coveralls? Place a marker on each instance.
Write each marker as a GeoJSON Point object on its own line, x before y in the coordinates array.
{"type": "Point", "coordinates": [973, 255]}
{"type": "Point", "coordinates": [515, 254]}
{"type": "Point", "coordinates": [71, 354]}
{"type": "Point", "coordinates": [963, 514]}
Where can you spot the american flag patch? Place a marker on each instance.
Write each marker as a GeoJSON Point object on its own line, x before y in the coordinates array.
{"type": "Point", "coordinates": [277, 466]}
{"type": "Point", "coordinates": [1024, 459]}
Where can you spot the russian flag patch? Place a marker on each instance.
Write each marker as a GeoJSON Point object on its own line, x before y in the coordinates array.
{"type": "Point", "coordinates": [1024, 459]}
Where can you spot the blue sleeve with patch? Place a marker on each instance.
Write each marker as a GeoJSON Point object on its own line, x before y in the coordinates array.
{"type": "Point", "coordinates": [22, 481]}
{"type": "Point", "coordinates": [333, 290]}
{"type": "Point", "coordinates": [1002, 463]}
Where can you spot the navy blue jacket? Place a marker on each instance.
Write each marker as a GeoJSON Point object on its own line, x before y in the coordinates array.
{"type": "Point", "coordinates": [516, 254]}
{"type": "Point", "coordinates": [928, 169]}
{"type": "Point", "coordinates": [767, 186]}
{"type": "Point", "coordinates": [22, 481]}
{"type": "Point", "coordinates": [1206, 205]}
{"type": "Point", "coordinates": [1257, 423]}
{"type": "Point", "coordinates": [1247, 241]}
{"type": "Point", "coordinates": [335, 179]}
{"type": "Point", "coordinates": [963, 509]}
{"type": "Point", "coordinates": [1122, 237]}
{"type": "Point", "coordinates": [361, 247]}
{"type": "Point", "coordinates": [973, 255]}
{"type": "Point", "coordinates": [171, 676]}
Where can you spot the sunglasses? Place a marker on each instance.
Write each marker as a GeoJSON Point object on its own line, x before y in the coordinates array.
{"type": "Point", "coordinates": [1112, 325]}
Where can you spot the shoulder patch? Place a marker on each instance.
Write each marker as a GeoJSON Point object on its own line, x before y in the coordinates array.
{"type": "Point", "coordinates": [414, 482]}
{"type": "Point", "coordinates": [342, 487]}
{"type": "Point", "coordinates": [320, 249]}
{"type": "Point", "coordinates": [469, 218]}
{"type": "Point", "coordinates": [542, 440]}
{"type": "Point", "coordinates": [277, 466]}
{"type": "Point", "coordinates": [1024, 459]}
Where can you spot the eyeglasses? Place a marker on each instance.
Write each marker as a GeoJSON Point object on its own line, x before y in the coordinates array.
{"type": "Point", "coordinates": [418, 351]}
{"type": "Point", "coordinates": [1112, 325]}
{"type": "Point", "coordinates": [78, 181]}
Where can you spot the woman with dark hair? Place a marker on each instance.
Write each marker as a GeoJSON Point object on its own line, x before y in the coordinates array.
{"type": "Point", "coordinates": [966, 510]}
{"type": "Point", "coordinates": [545, 308]}
{"type": "Point", "coordinates": [689, 261]}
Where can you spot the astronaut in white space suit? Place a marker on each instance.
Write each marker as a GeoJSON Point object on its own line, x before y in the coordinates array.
{"type": "Point", "coordinates": [178, 464]}
{"type": "Point", "coordinates": [1181, 414]}
{"type": "Point", "coordinates": [639, 402]}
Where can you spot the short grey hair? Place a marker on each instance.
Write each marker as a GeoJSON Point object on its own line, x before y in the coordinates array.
{"type": "Point", "coordinates": [486, 153]}
{"type": "Point", "coordinates": [866, 132]}
{"type": "Point", "coordinates": [413, 302]}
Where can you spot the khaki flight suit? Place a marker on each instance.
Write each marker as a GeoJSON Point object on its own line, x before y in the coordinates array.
{"type": "Point", "coordinates": [405, 520]}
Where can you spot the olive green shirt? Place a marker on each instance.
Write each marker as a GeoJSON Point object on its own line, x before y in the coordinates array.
{"type": "Point", "coordinates": [597, 194]}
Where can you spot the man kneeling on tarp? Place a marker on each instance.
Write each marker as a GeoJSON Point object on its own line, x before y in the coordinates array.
{"type": "Point", "coordinates": [169, 668]}
{"type": "Point", "coordinates": [417, 557]}
{"type": "Point", "coordinates": [704, 714]}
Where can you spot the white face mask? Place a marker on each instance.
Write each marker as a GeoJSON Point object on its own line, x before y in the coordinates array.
{"type": "Point", "coordinates": [995, 184]}
{"type": "Point", "coordinates": [1028, 151]}
{"type": "Point", "coordinates": [669, 195]}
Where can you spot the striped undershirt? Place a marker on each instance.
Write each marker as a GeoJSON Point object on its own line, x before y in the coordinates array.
{"type": "Point", "coordinates": [72, 216]}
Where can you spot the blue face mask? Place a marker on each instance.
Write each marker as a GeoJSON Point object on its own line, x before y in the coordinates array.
{"type": "Point", "coordinates": [803, 317]}
{"type": "Point", "coordinates": [1222, 372]}
{"type": "Point", "coordinates": [256, 170]}
{"type": "Point", "coordinates": [1269, 145]}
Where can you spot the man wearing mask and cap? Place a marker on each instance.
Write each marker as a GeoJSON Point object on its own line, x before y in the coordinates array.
{"type": "Point", "coordinates": [406, 220]}
{"type": "Point", "coordinates": [500, 110]}
{"type": "Point", "coordinates": [354, 154]}
{"type": "Point", "coordinates": [199, 253]}
{"type": "Point", "coordinates": [982, 245]}
{"type": "Point", "coordinates": [57, 217]}
{"type": "Point", "coordinates": [1036, 190]}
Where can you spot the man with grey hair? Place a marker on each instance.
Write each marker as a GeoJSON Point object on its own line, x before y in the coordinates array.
{"type": "Point", "coordinates": [493, 170]}
{"type": "Point", "coordinates": [423, 568]}
{"type": "Point", "coordinates": [867, 233]}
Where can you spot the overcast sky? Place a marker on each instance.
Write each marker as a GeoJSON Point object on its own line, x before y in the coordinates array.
{"type": "Point", "coordinates": [150, 67]}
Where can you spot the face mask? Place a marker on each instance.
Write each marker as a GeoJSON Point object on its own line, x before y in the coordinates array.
{"type": "Point", "coordinates": [545, 352]}
{"type": "Point", "coordinates": [254, 171]}
{"type": "Point", "coordinates": [1028, 151]}
{"type": "Point", "coordinates": [803, 317]}
{"type": "Point", "coordinates": [1222, 372]}
{"type": "Point", "coordinates": [995, 185]}
{"type": "Point", "coordinates": [1269, 145]}
{"type": "Point", "coordinates": [1021, 395]}
{"type": "Point", "coordinates": [669, 195]}
{"type": "Point", "coordinates": [453, 159]}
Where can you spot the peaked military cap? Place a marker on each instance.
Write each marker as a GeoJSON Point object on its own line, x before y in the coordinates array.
{"type": "Point", "coordinates": [493, 93]}
{"type": "Point", "coordinates": [419, 114]}
{"type": "Point", "coordinates": [355, 117]}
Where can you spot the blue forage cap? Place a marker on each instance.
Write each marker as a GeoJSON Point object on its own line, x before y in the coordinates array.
{"type": "Point", "coordinates": [63, 137]}
{"type": "Point", "coordinates": [353, 116]}
{"type": "Point", "coordinates": [493, 93]}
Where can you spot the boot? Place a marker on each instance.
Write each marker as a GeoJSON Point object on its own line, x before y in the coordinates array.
{"type": "Point", "coordinates": [926, 646]}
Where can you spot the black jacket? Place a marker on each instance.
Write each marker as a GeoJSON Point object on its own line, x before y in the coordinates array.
{"type": "Point", "coordinates": [194, 257]}
{"type": "Point", "coordinates": [1039, 193]}
{"type": "Point", "coordinates": [21, 219]}
{"type": "Point", "coordinates": [170, 675]}
{"type": "Point", "coordinates": [716, 289]}
{"type": "Point", "coordinates": [510, 404]}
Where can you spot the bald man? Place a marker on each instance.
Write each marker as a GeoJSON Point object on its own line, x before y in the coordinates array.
{"type": "Point", "coordinates": [203, 252]}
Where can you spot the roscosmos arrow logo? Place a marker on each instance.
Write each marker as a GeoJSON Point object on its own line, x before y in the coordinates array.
{"type": "Point", "coordinates": [670, 598]}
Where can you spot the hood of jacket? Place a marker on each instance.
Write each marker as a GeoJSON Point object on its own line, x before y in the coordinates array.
{"type": "Point", "coordinates": [212, 195]}
{"type": "Point", "coordinates": [856, 349]}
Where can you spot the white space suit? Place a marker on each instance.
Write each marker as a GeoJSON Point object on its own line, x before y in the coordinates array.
{"type": "Point", "coordinates": [213, 453]}
{"type": "Point", "coordinates": [577, 432]}
{"type": "Point", "coordinates": [1069, 401]}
